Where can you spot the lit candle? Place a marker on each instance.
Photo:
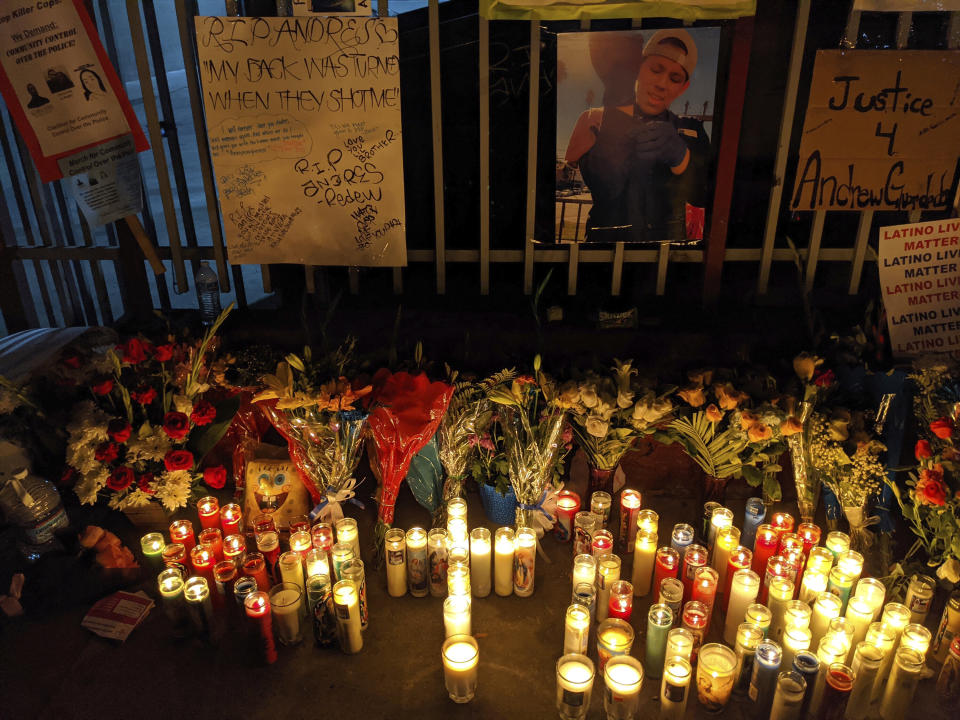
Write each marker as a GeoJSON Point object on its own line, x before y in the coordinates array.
{"type": "Point", "coordinates": [346, 601]}
{"type": "Point", "coordinates": [763, 680]}
{"type": "Point", "coordinates": [948, 628]}
{"type": "Point", "coordinates": [256, 605]}
{"type": "Point", "coordinates": [812, 586]}
{"type": "Point", "coordinates": [301, 541]}
{"type": "Point", "coordinates": [621, 600]}
{"type": "Point", "coordinates": [208, 508]}
{"type": "Point", "coordinates": [826, 607]}
{"type": "Point", "coordinates": [873, 591]}
{"type": "Point", "coordinates": [212, 538]}
{"type": "Point", "coordinates": [354, 571]}
{"type": "Point", "coordinates": [782, 522]}
{"type": "Point", "coordinates": [643, 560]}
{"type": "Point", "coordinates": [679, 642]}
{"type": "Point", "coordinates": [299, 523]}
{"type": "Point", "coordinates": [744, 587]}
{"type": "Point", "coordinates": [480, 542]}
{"type": "Point", "coordinates": [322, 536]}
{"type": "Point", "coordinates": [764, 548]}
{"type": "Point", "coordinates": [175, 555]}
{"type": "Point", "coordinates": [753, 516]}
{"type": "Point", "coordinates": [600, 503]}
{"type": "Point", "coordinates": [317, 563]}
{"type": "Point", "coordinates": [614, 638]}
{"type": "Point", "coordinates": [900, 689]}
{"type": "Point", "coordinates": [837, 542]}
{"type": "Point", "coordinates": [568, 505]}
{"type": "Point", "coordinates": [705, 590]}
{"type": "Point", "coordinates": [790, 543]}
{"type": "Point", "coordinates": [674, 689]}
{"type": "Point", "coordinates": [788, 697]}
{"type": "Point", "coordinates": [867, 659]}
{"type": "Point", "coordinates": [648, 521]}
{"type": "Point", "coordinates": [760, 616]}
{"type": "Point", "coordinates": [608, 572]}
{"type": "Point", "coordinates": [395, 543]}
{"type": "Point", "coordinates": [263, 522]}
{"type": "Point", "coordinates": [586, 595]}
{"type": "Point", "coordinates": [348, 533]}
{"type": "Point", "coordinates": [524, 561]}
{"type": "Point", "coordinates": [460, 654]}
{"type": "Point", "coordinates": [716, 668]}
{"type": "Point", "coordinates": [728, 540]}
{"type": "Point", "coordinates": [807, 665]}
{"type": "Point", "coordinates": [832, 649]}
{"type": "Point", "coordinates": [666, 565]}
{"type": "Point", "coordinates": [584, 570]}
{"type": "Point", "coordinates": [820, 560]}
{"type": "Point", "coordinates": [458, 535]}
{"type": "Point", "coordinates": [230, 518]}
{"type": "Point", "coordinates": [721, 518]}
{"type": "Point", "coordinates": [839, 584]}
{"type": "Point", "coordinates": [152, 545]}
{"type": "Point", "coordinates": [795, 640]}
{"type": "Point", "coordinates": [602, 543]}
{"type": "Point", "coordinates": [695, 556]}
{"type": "Point", "coordinates": [671, 594]}
{"type": "Point", "coordinates": [630, 502]}
{"type": "Point", "coordinates": [255, 566]}
{"type": "Point", "coordinates": [860, 614]}
{"type": "Point", "coordinates": [585, 524]}
{"type": "Point", "coordinates": [196, 591]}
{"type": "Point", "coordinates": [919, 597]}
{"type": "Point", "coordinates": [170, 585]}
{"type": "Point", "coordinates": [342, 552]}
{"type": "Point", "coordinates": [456, 509]}
{"type": "Point", "coordinates": [503, 549]}
{"type": "Point", "coordinates": [884, 640]}
{"type": "Point", "coordinates": [708, 508]}
{"type": "Point", "coordinates": [916, 637]}
{"type": "Point", "coordinates": [234, 546]}
{"type": "Point", "coordinates": [458, 579]}
{"type": "Point", "coordinates": [268, 543]}
{"type": "Point", "coordinates": [810, 535]}
{"type": "Point", "coordinates": [749, 636]}
{"type": "Point", "coordinates": [740, 559]}
{"type": "Point", "coordinates": [286, 604]}
{"type": "Point", "coordinates": [576, 629]}
{"type": "Point", "coordinates": [659, 622]}
{"type": "Point", "coordinates": [779, 595]}
{"type": "Point", "coordinates": [694, 618]}
{"type": "Point", "coordinates": [291, 570]}
{"type": "Point", "coordinates": [202, 560]}
{"type": "Point", "coordinates": [844, 629]}
{"type": "Point", "coordinates": [895, 617]}
{"type": "Point", "coordinates": [416, 542]}
{"type": "Point", "coordinates": [574, 685]}
{"type": "Point", "coordinates": [777, 567]}
{"type": "Point", "coordinates": [456, 615]}
{"type": "Point", "coordinates": [681, 537]}
{"type": "Point", "coordinates": [623, 677]}
{"type": "Point", "coordinates": [851, 562]}
{"type": "Point", "coordinates": [797, 614]}
{"type": "Point", "coordinates": [181, 531]}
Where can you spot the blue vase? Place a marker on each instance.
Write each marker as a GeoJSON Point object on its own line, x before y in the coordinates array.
{"type": "Point", "coordinates": [501, 509]}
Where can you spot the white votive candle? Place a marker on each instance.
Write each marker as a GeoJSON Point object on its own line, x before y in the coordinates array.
{"type": "Point", "coordinates": [457, 615]}
{"type": "Point", "coordinates": [574, 685]}
{"type": "Point", "coordinates": [860, 614]}
{"type": "Point", "coordinates": [347, 533]}
{"type": "Point", "coordinates": [395, 543]}
{"type": "Point", "coordinates": [503, 561]}
{"type": "Point", "coordinates": [743, 592]}
{"type": "Point", "coordinates": [584, 570]}
{"type": "Point", "coordinates": [346, 601]}
{"type": "Point", "coordinates": [460, 654]}
{"type": "Point", "coordinates": [576, 629]}
{"type": "Point", "coordinates": [480, 561]}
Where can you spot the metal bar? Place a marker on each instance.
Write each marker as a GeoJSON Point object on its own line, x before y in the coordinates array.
{"type": "Point", "coordinates": [813, 249]}
{"type": "Point", "coordinates": [62, 232]}
{"type": "Point", "coordinates": [904, 21]}
{"type": "Point", "coordinates": [532, 133]}
{"type": "Point", "coordinates": [484, 77]}
{"type": "Point", "coordinates": [783, 144]}
{"type": "Point", "coordinates": [8, 158]}
{"type": "Point", "coordinates": [86, 299]}
{"type": "Point", "coordinates": [159, 281]}
{"type": "Point", "coordinates": [617, 280]}
{"type": "Point", "coordinates": [18, 314]}
{"type": "Point", "coordinates": [852, 32]}
{"type": "Point", "coordinates": [663, 258]}
{"type": "Point", "coordinates": [181, 285]}
{"type": "Point", "coordinates": [99, 286]}
{"type": "Point", "coordinates": [727, 158]}
{"type": "Point", "coordinates": [860, 251]}
{"type": "Point", "coordinates": [572, 268]}
{"type": "Point", "coordinates": [436, 111]}
{"type": "Point", "coordinates": [309, 275]}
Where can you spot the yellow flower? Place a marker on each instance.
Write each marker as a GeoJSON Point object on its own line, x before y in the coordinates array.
{"type": "Point", "coordinates": [805, 365]}
{"type": "Point", "coordinates": [758, 432]}
{"type": "Point", "coordinates": [790, 426]}
{"type": "Point", "coordinates": [713, 413]}
{"type": "Point", "coordinates": [693, 395]}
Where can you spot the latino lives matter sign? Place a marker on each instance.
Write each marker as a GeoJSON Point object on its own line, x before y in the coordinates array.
{"type": "Point", "coordinates": [920, 277]}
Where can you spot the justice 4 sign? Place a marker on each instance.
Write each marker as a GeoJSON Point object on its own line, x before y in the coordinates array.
{"type": "Point", "coordinates": [920, 278]}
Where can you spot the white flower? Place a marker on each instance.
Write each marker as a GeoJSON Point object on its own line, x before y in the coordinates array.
{"type": "Point", "coordinates": [588, 395]}
{"type": "Point", "coordinates": [151, 447]}
{"type": "Point", "coordinates": [134, 498]}
{"type": "Point", "coordinates": [950, 571]}
{"type": "Point", "coordinates": [173, 489]}
{"type": "Point", "coordinates": [597, 426]}
{"type": "Point", "coordinates": [624, 399]}
{"type": "Point", "coordinates": [182, 403]}
{"type": "Point", "coordinates": [90, 484]}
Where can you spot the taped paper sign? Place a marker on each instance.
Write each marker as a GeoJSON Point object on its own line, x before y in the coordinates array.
{"type": "Point", "coordinates": [105, 181]}
{"type": "Point", "coordinates": [920, 278]}
{"type": "Point", "coordinates": [597, 9]}
{"type": "Point", "coordinates": [331, 7]}
{"type": "Point", "coordinates": [882, 131]}
{"type": "Point", "coordinates": [303, 118]}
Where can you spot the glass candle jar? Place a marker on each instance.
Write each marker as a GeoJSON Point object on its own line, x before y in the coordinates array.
{"type": "Point", "coordinates": [807, 665]}
{"type": "Point", "coordinates": [568, 505]}
{"type": "Point", "coordinates": [256, 605]}
{"type": "Point", "coordinates": [779, 595]}
{"type": "Point", "coordinates": [231, 517]}
{"type": "Point", "coordinates": [268, 544]}
{"type": "Point", "coordinates": [601, 543]}
{"type": "Point", "coordinates": [812, 585]}
{"type": "Point", "coordinates": [826, 607]}
{"type": "Point", "coordinates": [585, 524]}
{"type": "Point", "coordinates": [916, 637]}
{"type": "Point", "coordinates": [291, 570]}
{"type": "Point", "coordinates": [833, 649]}
{"type": "Point", "coordinates": [694, 557]}
{"type": "Point", "coordinates": [264, 521]}
{"type": "Point", "coordinates": [795, 640]}
{"type": "Point", "coordinates": [347, 532]}
{"type": "Point", "coordinates": [196, 592]}
{"type": "Point", "coordinates": [844, 628]}
{"type": "Point", "coordinates": [286, 605]}
{"type": "Point", "coordinates": [695, 618]}
{"type": "Point", "coordinates": [438, 549]}
{"type": "Point", "coordinates": [322, 536]}
{"type": "Point", "coordinates": [748, 638]}
{"type": "Point", "coordinates": [346, 603]}
{"type": "Point", "coordinates": [524, 561]}
{"type": "Point", "coordinates": [675, 688]}
{"type": "Point", "coordinates": [614, 638]}
{"type": "Point", "coordinates": [681, 537]}
{"type": "Point", "coordinates": [504, 547]}
{"type": "Point", "coordinates": [851, 563]}
{"type": "Point", "coordinates": [600, 502]}
{"type": "Point", "coordinates": [777, 567]}
{"type": "Point", "coordinates": [608, 572]}
{"type": "Point", "coordinates": [948, 628]}
{"type": "Point", "coordinates": [666, 565]}
{"type": "Point", "coordinates": [840, 584]}
{"type": "Point", "coordinates": [900, 689]}
{"type": "Point", "coordinates": [456, 615]}
{"type": "Point", "coordinates": [175, 555]}
{"type": "Point", "coordinates": [458, 579]}
{"type": "Point", "coordinates": [575, 675]}
{"type": "Point", "coordinates": [797, 614]}
{"type": "Point", "coordinates": [208, 508]}
{"type": "Point", "coordinates": [255, 566]}
{"type": "Point", "coordinates": [645, 550]}
{"type": "Point", "coordinates": [867, 659]}
{"type": "Point", "coordinates": [789, 542]}
{"type": "Point", "coordinates": [648, 521]}
{"type": "Point", "coordinates": [353, 570]}
{"type": "Point", "coordinates": [340, 553]}
{"type": "Point", "coordinates": [460, 654]}
{"type": "Point", "coordinates": [836, 692]}
{"type": "Point", "coordinates": [416, 562]}
{"type": "Point", "coordinates": [395, 545]}
{"type": "Point", "coordinates": [576, 629]}
{"type": "Point", "coordinates": [586, 595]}
{"type": "Point", "coordinates": [860, 614]}
{"type": "Point", "coordinates": [764, 547]}
{"type": "Point", "coordinates": [234, 546]}
{"type": "Point", "coordinates": [584, 570]}
{"type": "Point", "coordinates": [659, 622]}
{"type": "Point", "coordinates": [810, 535]}
{"type": "Point", "coordinates": [622, 677]}
{"type": "Point", "coordinates": [671, 595]}
{"type": "Point", "coordinates": [728, 540]}
{"type": "Point", "coordinates": [763, 680]}
{"type": "Point", "coordinates": [621, 600]}
{"type": "Point", "coordinates": [480, 561]}
{"type": "Point", "coordinates": [152, 545]}
{"type": "Point", "coordinates": [630, 501]}
{"type": "Point", "coordinates": [202, 560]}
{"type": "Point", "coordinates": [716, 667]}
{"type": "Point", "coordinates": [456, 509]}
{"type": "Point", "coordinates": [181, 531]}
{"type": "Point", "coordinates": [458, 534]}
{"type": "Point", "coordinates": [720, 518]}
{"type": "Point", "coordinates": [920, 593]}
{"type": "Point", "coordinates": [788, 696]}
{"type": "Point", "coordinates": [741, 558]}
{"type": "Point", "coordinates": [948, 681]}
{"type": "Point", "coordinates": [679, 643]}
{"type": "Point", "coordinates": [782, 522]}
{"type": "Point", "coordinates": [299, 523]}
{"type": "Point", "coordinates": [705, 590]}
{"type": "Point", "coordinates": [760, 616]}
{"type": "Point", "coordinates": [743, 592]}
{"type": "Point", "coordinates": [753, 516]}
{"type": "Point", "coordinates": [704, 529]}
{"type": "Point", "coordinates": [170, 586]}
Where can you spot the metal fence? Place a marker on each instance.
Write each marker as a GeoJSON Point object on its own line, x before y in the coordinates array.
{"type": "Point", "coordinates": [55, 270]}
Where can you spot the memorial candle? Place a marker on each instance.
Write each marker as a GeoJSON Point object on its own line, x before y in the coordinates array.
{"type": "Point", "coordinates": [643, 561]}
{"type": "Point", "coordinates": [695, 556]}
{"type": "Point", "coordinates": [630, 502]}
{"type": "Point", "coordinates": [524, 561]}
{"type": "Point", "coordinates": [348, 533]}
{"type": "Point", "coordinates": [740, 559]}
{"type": "Point", "coordinates": [797, 614]}
{"type": "Point", "coordinates": [782, 522]}
{"type": "Point", "coordinates": [170, 586]}
{"type": "Point", "coordinates": [208, 508]}
{"type": "Point", "coordinates": [839, 584]}
{"type": "Point", "coordinates": [346, 601]}
{"type": "Point", "coordinates": [480, 573]}
{"type": "Point", "coordinates": [299, 523]}
{"type": "Point", "coordinates": [679, 641]}
{"type": "Point", "coordinates": [256, 605]}
{"type": "Point", "coordinates": [920, 593]}
{"type": "Point", "coordinates": [728, 540]}
{"type": "Point", "coordinates": [181, 531]}
{"type": "Point", "coordinates": [819, 560]}
{"type": "Point", "coordinates": [705, 590]}
{"type": "Point", "coordinates": [948, 628]}
{"type": "Point", "coordinates": [745, 585]}
{"type": "Point", "coordinates": [810, 535]}
{"type": "Point", "coordinates": [225, 575]}
{"type": "Point", "coordinates": [681, 537]}
{"type": "Point", "coordinates": [458, 579]}
{"type": "Point", "coordinates": [460, 655]}
{"type": "Point", "coordinates": [836, 691]}
{"type": "Point", "coordinates": [884, 640]}
{"type": "Point", "coordinates": [574, 685]}
{"type": "Point", "coordinates": [342, 552]}
{"type": "Point", "coordinates": [795, 640]}
{"type": "Point", "coordinates": [196, 591]}
{"type": "Point", "coordinates": [716, 670]}
{"type": "Point", "coordinates": [867, 659]}
{"type": "Point", "coordinates": [764, 548]}
{"type": "Point", "coordinates": [394, 541]}
{"type": "Point", "coordinates": [763, 681]}
{"type": "Point", "coordinates": [268, 543]}
{"type": "Point", "coordinates": [586, 595]}
{"type": "Point", "coordinates": [704, 529]}
{"type": "Point", "coordinates": [675, 688]}
{"type": "Point", "coordinates": [760, 616]}
{"type": "Point", "coordinates": [844, 629]}
{"type": "Point", "coordinates": [608, 572]}
{"type": "Point", "coordinates": [722, 518]}
{"type": "Point", "coordinates": [788, 697]}
{"type": "Point", "coordinates": [502, 562]}
{"type": "Point", "coordinates": [202, 560]}
{"type": "Point", "coordinates": [456, 509]}
{"type": "Point", "coordinates": [779, 595]}
{"type": "Point", "coordinates": [874, 592]}
{"type": "Point", "coordinates": [152, 545]}
{"type": "Point", "coordinates": [790, 544]}
{"type": "Point", "coordinates": [255, 566]}
{"type": "Point", "coordinates": [694, 618]}
{"type": "Point", "coordinates": [286, 604]}
{"type": "Point", "coordinates": [600, 503]}
{"type": "Point", "coordinates": [860, 614]}
{"type": "Point", "coordinates": [621, 600]}
{"type": "Point", "coordinates": [900, 689]}
{"type": "Point", "coordinates": [777, 567]}
{"type": "Point", "coordinates": [212, 538]}
{"type": "Point", "coordinates": [585, 524]}
{"type": "Point", "coordinates": [614, 638]}
{"type": "Point", "coordinates": [895, 618]}
{"type": "Point", "coordinates": [754, 515]}
{"type": "Point", "coordinates": [749, 636]}
{"type": "Point", "coordinates": [916, 637]}
{"type": "Point", "coordinates": [659, 622]}
{"type": "Point", "coordinates": [807, 664]}
{"type": "Point", "coordinates": [851, 562]}
{"type": "Point", "coordinates": [671, 595]}
{"type": "Point", "coordinates": [666, 565]}
{"type": "Point", "coordinates": [243, 586]}
{"type": "Point", "coordinates": [568, 505]}
{"type": "Point", "coordinates": [300, 542]}
{"type": "Point", "coordinates": [322, 536]}
{"type": "Point", "coordinates": [417, 566]}
{"type": "Point", "coordinates": [576, 629]}
{"type": "Point", "coordinates": [458, 535]}
{"type": "Point", "coordinates": [648, 521]}
{"type": "Point", "coordinates": [234, 546]}
{"type": "Point", "coordinates": [602, 543]}
{"type": "Point", "coordinates": [317, 563]}
{"type": "Point", "coordinates": [584, 570]}
{"type": "Point", "coordinates": [456, 615]}
{"type": "Point", "coordinates": [837, 542]}
{"type": "Point", "coordinates": [813, 585]}
{"type": "Point", "coordinates": [263, 522]}
{"type": "Point", "coordinates": [291, 570]}
{"type": "Point", "coordinates": [832, 650]}
{"type": "Point", "coordinates": [230, 518]}
{"type": "Point", "coordinates": [622, 676]}
{"type": "Point", "coordinates": [175, 555]}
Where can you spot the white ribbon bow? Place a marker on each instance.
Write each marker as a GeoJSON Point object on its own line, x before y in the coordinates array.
{"type": "Point", "coordinates": [331, 510]}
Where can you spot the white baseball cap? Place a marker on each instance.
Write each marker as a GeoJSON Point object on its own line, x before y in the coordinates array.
{"type": "Point", "coordinates": [657, 45]}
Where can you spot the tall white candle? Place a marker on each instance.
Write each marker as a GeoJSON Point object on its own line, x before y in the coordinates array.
{"type": "Point", "coordinates": [503, 561]}
{"type": "Point", "coordinates": [417, 564]}
{"type": "Point", "coordinates": [608, 572]}
{"type": "Point", "coordinates": [584, 570]}
{"type": "Point", "coordinates": [623, 676]}
{"type": "Point", "coordinates": [780, 593]}
{"type": "Point", "coordinates": [291, 570]}
{"type": "Point", "coordinates": [812, 585]}
{"type": "Point", "coordinates": [832, 649]}
{"type": "Point", "coordinates": [825, 608]}
{"type": "Point", "coordinates": [456, 615]}
{"type": "Point", "coordinates": [285, 604]}
{"type": "Point", "coordinates": [795, 639]}
{"type": "Point", "coordinates": [576, 629]}
{"type": "Point", "coordinates": [645, 551]}
{"type": "Point", "coordinates": [346, 602]}
{"type": "Point", "coordinates": [860, 614]}
{"type": "Point", "coordinates": [675, 688]}
{"type": "Point", "coordinates": [722, 518]}
{"type": "Point", "coordinates": [395, 543]}
{"type": "Point", "coordinates": [874, 592]}
{"type": "Point", "coordinates": [460, 654]}
{"type": "Point", "coordinates": [347, 533]}
{"type": "Point", "coordinates": [457, 529]}
{"type": "Point", "coordinates": [574, 685]}
{"type": "Point", "coordinates": [480, 561]}
{"type": "Point", "coordinates": [743, 591]}
{"type": "Point", "coordinates": [317, 562]}
{"type": "Point", "coordinates": [524, 562]}
{"type": "Point", "coordinates": [898, 694]}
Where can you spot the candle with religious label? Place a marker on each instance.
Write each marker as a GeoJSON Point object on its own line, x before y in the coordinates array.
{"type": "Point", "coordinates": [807, 665]}
{"type": "Point", "coordinates": [255, 566]}
{"type": "Point", "coordinates": [458, 578]}
{"type": "Point", "coordinates": [600, 503]}
{"type": "Point", "coordinates": [630, 502]}
{"type": "Point", "coordinates": [456, 615]}
{"type": "Point", "coordinates": [666, 565]}
{"type": "Point", "coordinates": [837, 542]}
{"type": "Point", "coordinates": [916, 637]}
{"type": "Point", "coordinates": [705, 590]}
{"type": "Point", "coordinates": [460, 655]}
{"type": "Point", "coordinates": [919, 597]}
{"type": "Point", "coordinates": [840, 584]}
{"type": "Point", "coordinates": [354, 571]}
{"type": "Point", "coordinates": [574, 685]}
{"type": "Point", "coordinates": [749, 636]}
{"type": "Point", "coordinates": [867, 659]}
{"type": "Point", "coordinates": [695, 556]}
{"type": "Point", "coordinates": [480, 542]}
{"type": "Point", "coordinates": [716, 669]}
{"type": "Point", "coordinates": [764, 548]}
{"type": "Point", "coordinates": [568, 505]}
{"type": "Point", "coordinates": [622, 677]}
{"type": "Point", "coordinates": [782, 522]}
{"type": "Point", "coordinates": [346, 603]}
{"type": "Point", "coordinates": [504, 546]}
{"type": "Point", "coordinates": [760, 616]}
{"type": "Point", "coordinates": [181, 531]}
{"type": "Point", "coordinates": [416, 561]}
{"type": "Point", "coordinates": [231, 516]}
{"type": "Point", "coordinates": [788, 697]}
{"type": "Point", "coordinates": [659, 622]}
{"type": "Point", "coordinates": [322, 536]}
{"type": "Point", "coordinates": [753, 516]}
{"type": "Point", "coordinates": [675, 688]}
{"type": "Point", "coordinates": [722, 518]}
{"type": "Point", "coordinates": [744, 587]}
{"type": "Point", "coordinates": [348, 533]}
{"type": "Point", "coordinates": [342, 552]}
{"type": "Point", "coordinates": [585, 524]}
{"type": "Point", "coordinates": [256, 605]}
{"type": "Point", "coordinates": [694, 618]}
{"type": "Point", "coordinates": [860, 614]}
{"type": "Point", "coordinates": [608, 572]}
{"type": "Point", "coordinates": [681, 537]}
{"type": "Point", "coordinates": [621, 600]}
{"type": "Point", "coordinates": [152, 545]}
{"type": "Point", "coordinates": [671, 595]}
{"type": "Point", "coordinates": [196, 592]}
{"type": "Point", "coordinates": [900, 689]}
{"type": "Point", "coordinates": [576, 629]}
{"type": "Point", "coordinates": [740, 559]}
{"type": "Point", "coordinates": [948, 628]}
{"type": "Point", "coordinates": [170, 586]}
{"type": "Point", "coordinates": [728, 540]}
{"type": "Point", "coordinates": [643, 561]}
{"type": "Point", "coordinates": [524, 561]}
{"type": "Point", "coordinates": [584, 569]}
{"type": "Point", "coordinates": [779, 595]}
{"type": "Point", "coordinates": [795, 639]}
{"type": "Point", "coordinates": [679, 641]}
{"type": "Point", "coordinates": [438, 548]}
{"type": "Point", "coordinates": [208, 508]}
{"type": "Point", "coordinates": [614, 638]}
{"type": "Point", "coordinates": [212, 538]}
{"type": "Point", "coordinates": [763, 680]}
{"type": "Point", "coordinates": [602, 543]}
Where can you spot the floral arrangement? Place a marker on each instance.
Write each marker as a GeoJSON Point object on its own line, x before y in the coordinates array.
{"type": "Point", "coordinates": [726, 436]}
{"type": "Point", "coordinates": [144, 432]}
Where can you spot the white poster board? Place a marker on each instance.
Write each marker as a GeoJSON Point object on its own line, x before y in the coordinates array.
{"type": "Point", "coordinates": [105, 181]}
{"type": "Point", "coordinates": [303, 118]}
{"type": "Point", "coordinates": [920, 279]}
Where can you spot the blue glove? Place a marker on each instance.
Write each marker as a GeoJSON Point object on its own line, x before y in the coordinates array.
{"type": "Point", "coordinates": [658, 142]}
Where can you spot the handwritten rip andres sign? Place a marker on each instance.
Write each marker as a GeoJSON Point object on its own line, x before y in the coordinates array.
{"type": "Point", "coordinates": [882, 131]}
{"type": "Point", "coordinates": [920, 278]}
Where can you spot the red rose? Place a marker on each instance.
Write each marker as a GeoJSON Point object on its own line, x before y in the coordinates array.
{"type": "Point", "coordinates": [134, 351]}
{"type": "Point", "coordinates": [143, 483]}
{"type": "Point", "coordinates": [68, 478]}
{"type": "Point", "coordinates": [71, 361]}
{"type": "Point", "coordinates": [931, 491]}
{"type": "Point", "coordinates": [824, 379]}
{"type": "Point", "coordinates": [103, 387]}
{"type": "Point", "coordinates": [178, 460]}
{"type": "Point", "coordinates": [215, 477]}
{"type": "Point", "coordinates": [923, 450]}
{"type": "Point", "coordinates": [120, 479]}
{"type": "Point", "coordinates": [163, 353]}
{"type": "Point", "coordinates": [942, 428]}
{"type": "Point", "coordinates": [119, 430]}
{"type": "Point", "coordinates": [106, 452]}
{"type": "Point", "coordinates": [144, 395]}
{"type": "Point", "coordinates": [176, 425]}
{"type": "Point", "coordinates": [203, 413]}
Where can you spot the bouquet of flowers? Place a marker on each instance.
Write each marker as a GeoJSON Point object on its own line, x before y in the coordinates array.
{"type": "Point", "coordinates": [143, 435]}
{"type": "Point", "coordinates": [314, 406]}
{"type": "Point", "coordinates": [608, 413]}
{"type": "Point", "coordinates": [725, 437]}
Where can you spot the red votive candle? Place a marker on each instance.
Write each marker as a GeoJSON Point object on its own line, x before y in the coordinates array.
{"type": "Point", "coordinates": [777, 566]}
{"type": "Point", "coordinates": [695, 556]}
{"type": "Point", "coordinates": [299, 523]}
{"type": "Point", "coordinates": [782, 522]}
{"type": "Point", "coordinates": [630, 502]}
{"type": "Point", "coordinates": [262, 523]}
{"type": "Point", "coordinates": [181, 531]}
{"type": "Point", "coordinates": [212, 538]}
{"type": "Point", "coordinates": [621, 600]}
{"type": "Point", "coordinates": [764, 547]}
{"type": "Point", "coordinates": [602, 543]}
{"type": "Point", "coordinates": [257, 607]}
{"type": "Point", "coordinates": [694, 618]}
{"type": "Point", "coordinates": [203, 561]}
{"type": "Point", "coordinates": [208, 508]}
{"type": "Point", "coordinates": [810, 535]}
{"type": "Point", "coordinates": [175, 554]}
{"type": "Point", "coordinates": [568, 505]}
{"type": "Point", "coordinates": [256, 567]}
{"type": "Point", "coordinates": [705, 582]}
{"type": "Point", "coordinates": [230, 518]}
{"type": "Point", "coordinates": [322, 534]}
{"type": "Point", "coordinates": [740, 559]}
{"type": "Point", "coordinates": [233, 548]}
{"type": "Point", "coordinates": [666, 565]}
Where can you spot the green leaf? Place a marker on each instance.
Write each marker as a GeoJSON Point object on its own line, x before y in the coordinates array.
{"type": "Point", "coordinates": [771, 486]}
{"type": "Point", "coordinates": [295, 362]}
{"type": "Point", "coordinates": [203, 440]}
{"type": "Point", "coordinates": [752, 475]}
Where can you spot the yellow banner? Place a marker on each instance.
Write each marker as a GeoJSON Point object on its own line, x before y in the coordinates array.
{"type": "Point", "coordinates": [607, 9]}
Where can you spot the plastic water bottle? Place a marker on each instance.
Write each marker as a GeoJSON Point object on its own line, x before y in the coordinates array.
{"type": "Point", "coordinates": [208, 293]}
{"type": "Point", "coordinates": [33, 505]}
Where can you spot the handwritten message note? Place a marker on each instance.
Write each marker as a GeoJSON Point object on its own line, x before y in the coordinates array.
{"type": "Point", "coordinates": [920, 277]}
{"type": "Point", "coordinates": [303, 117]}
{"type": "Point", "coordinates": [882, 131]}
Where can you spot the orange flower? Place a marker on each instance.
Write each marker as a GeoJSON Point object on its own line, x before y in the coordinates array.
{"type": "Point", "coordinates": [728, 397]}
{"type": "Point", "coordinates": [790, 426]}
{"type": "Point", "coordinates": [714, 413]}
{"type": "Point", "coordinates": [702, 376]}
{"type": "Point", "coordinates": [748, 420]}
{"type": "Point", "coordinates": [805, 365]}
{"type": "Point", "coordinates": [693, 395]}
{"type": "Point", "coordinates": [759, 432]}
